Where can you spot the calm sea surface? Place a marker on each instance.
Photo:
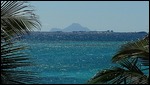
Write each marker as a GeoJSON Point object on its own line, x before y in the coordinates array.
{"type": "Point", "coordinates": [70, 62]}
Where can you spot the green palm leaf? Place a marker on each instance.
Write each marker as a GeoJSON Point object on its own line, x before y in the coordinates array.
{"type": "Point", "coordinates": [106, 75]}
{"type": "Point", "coordinates": [128, 73]}
{"type": "Point", "coordinates": [12, 58]}
{"type": "Point", "coordinates": [17, 18]}
{"type": "Point", "coordinates": [129, 58]}
{"type": "Point", "coordinates": [138, 49]}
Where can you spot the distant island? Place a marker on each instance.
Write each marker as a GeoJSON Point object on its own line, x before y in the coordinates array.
{"type": "Point", "coordinates": [108, 35]}
{"type": "Point", "coordinates": [76, 32]}
{"type": "Point", "coordinates": [71, 28]}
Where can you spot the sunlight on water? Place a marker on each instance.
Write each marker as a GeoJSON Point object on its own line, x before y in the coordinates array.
{"type": "Point", "coordinates": [70, 61]}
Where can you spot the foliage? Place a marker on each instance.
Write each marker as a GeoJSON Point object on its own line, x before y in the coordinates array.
{"type": "Point", "coordinates": [131, 59]}
{"type": "Point", "coordinates": [17, 18]}
{"type": "Point", "coordinates": [138, 49]}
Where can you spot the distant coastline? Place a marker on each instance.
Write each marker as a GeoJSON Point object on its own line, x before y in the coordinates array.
{"type": "Point", "coordinates": [85, 36]}
{"type": "Point", "coordinates": [108, 31]}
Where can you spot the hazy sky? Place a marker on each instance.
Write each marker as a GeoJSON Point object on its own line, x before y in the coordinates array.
{"type": "Point", "coordinates": [120, 16]}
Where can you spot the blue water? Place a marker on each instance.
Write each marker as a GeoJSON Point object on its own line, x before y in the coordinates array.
{"type": "Point", "coordinates": [70, 62]}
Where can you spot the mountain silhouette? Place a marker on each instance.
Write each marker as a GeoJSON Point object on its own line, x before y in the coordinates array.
{"type": "Point", "coordinates": [75, 27]}
{"type": "Point", "coordinates": [72, 27]}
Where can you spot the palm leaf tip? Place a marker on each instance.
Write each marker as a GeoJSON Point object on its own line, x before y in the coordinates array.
{"type": "Point", "coordinates": [106, 76]}
{"type": "Point", "coordinates": [138, 49]}
{"type": "Point", "coordinates": [17, 18]}
{"type": "Point", "coordinates": [130, 59]}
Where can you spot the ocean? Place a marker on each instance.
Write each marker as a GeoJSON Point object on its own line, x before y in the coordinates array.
{"type": "Point", "coordinates": [69, 62]}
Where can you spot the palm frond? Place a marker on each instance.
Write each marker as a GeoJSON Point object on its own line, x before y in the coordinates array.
{"type": "Point", "coordinates": [106, 75]}
{"type": "Point", "coordinates": [12, 58]}
{"type": "Point", "coordinates": [17, 18]}
{"type": "Point", "coordinates": [128, 73]}
{"type": "Point", "coordinates": [138, 49]}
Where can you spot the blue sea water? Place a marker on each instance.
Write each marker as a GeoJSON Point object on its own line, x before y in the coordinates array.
{"type": "Point", "coordinates": [70, 62]}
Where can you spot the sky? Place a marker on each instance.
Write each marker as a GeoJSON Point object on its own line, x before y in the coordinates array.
{"type": "Point", "coordinates": [119, 16]}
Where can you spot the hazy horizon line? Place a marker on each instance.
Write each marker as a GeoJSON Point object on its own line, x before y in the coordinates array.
{"type": "Point", "coordinates": [90, 30]}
